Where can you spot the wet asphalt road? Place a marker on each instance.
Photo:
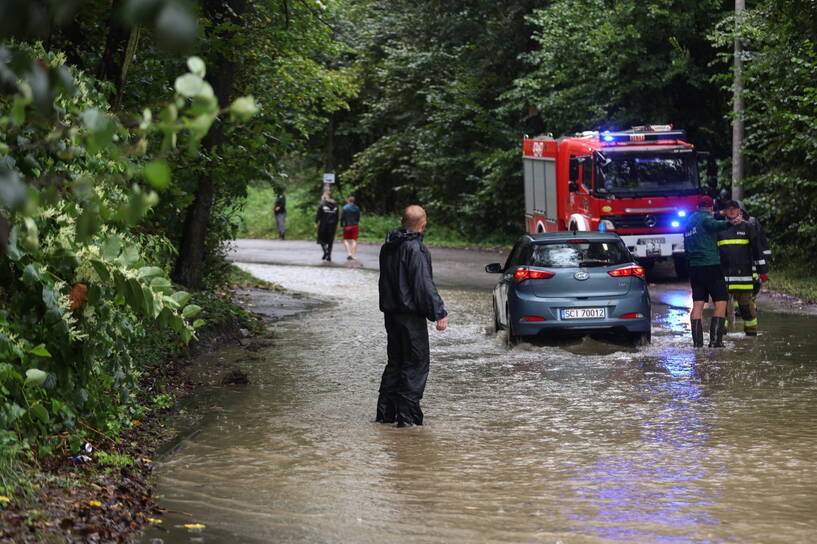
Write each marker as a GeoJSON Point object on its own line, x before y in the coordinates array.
{"type": "Point", "coordinates": [574, 441]}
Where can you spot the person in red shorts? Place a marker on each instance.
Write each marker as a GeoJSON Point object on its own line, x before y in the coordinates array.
{"type": "Point", "coordinates": [349, 220]}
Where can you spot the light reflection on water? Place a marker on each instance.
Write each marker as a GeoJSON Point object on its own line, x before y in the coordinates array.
{"type": "Point", "coordinates": [580, 441]}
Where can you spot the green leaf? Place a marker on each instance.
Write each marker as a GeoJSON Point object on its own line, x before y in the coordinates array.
{"type": "Point", "coordinates": [189, 85]}
{"type": "Point", "coordinates": [158, 174]}
{"type": "Point", "coordinates": [198, 323]}
{"type": "Point", "coordinates": [111, 248]}
{"type": "Point", "coordinates": [196, 66]}
{"type": "Point", "coordinates": [31, 274]}
{"type": "Point", "coordinates": [201, 125]}
{"type": "Point", "coordinates": [150, 272]}
{"type": "Point", "coordinates": [243, 108]}
{"type": "Point", "coordinates": [101, 270]}
{"type": "Point", "coordinates": [100, 128]}
{"type": "Point", "coordinates": [181, 297]}
{"type": "Point", "coordinates": [39, 411]}
{"type": "Point", "coordinates": [35, 376]}
{"type": "Point", "coordinates": [134, 296]}
{"type": "Point", "coordinates": [149, 302]}
{"type": "Point", "coordinates": [12, 189]}
{"type": "Point", "coordinates": [160, 281]}
{"type": "Point", "coordinates": [18, 109]}
{"type": "Point", "coordinates": [130, 255]}
{"type": "Point", "coordinates": [190, 311]}
{"type": "Point", "coordinates": [40, 351]}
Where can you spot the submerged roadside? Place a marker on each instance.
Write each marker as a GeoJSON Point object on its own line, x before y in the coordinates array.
{"type": "Point", "coordinates": [103, 491]}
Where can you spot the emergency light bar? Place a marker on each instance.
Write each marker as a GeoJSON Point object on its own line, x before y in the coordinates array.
{"type": "Point", "coordinates": [650, 133]}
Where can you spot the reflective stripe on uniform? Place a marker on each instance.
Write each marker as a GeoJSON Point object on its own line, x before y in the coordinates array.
{"type": "Point", "coordinates": [733, 241]}
{"type": "Point", "coordinates": [767, 251]}
{"type": "Point", "coordinates": [761, 261]}
{"type": "Point", "coordinates": [740, 286]}
{"type": "Point", "coordinates": [750, 323]}
{"type": "Point", "coordinates": [738, 278]}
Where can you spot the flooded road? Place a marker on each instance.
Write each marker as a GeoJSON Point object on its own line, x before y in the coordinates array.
{"type": "Point", "coordinates": [572, 442]}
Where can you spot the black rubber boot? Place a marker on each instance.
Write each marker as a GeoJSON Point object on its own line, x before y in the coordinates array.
{"type": "Point", "coordinates": [716, 332]}
{"type": "Point", "coordinates": [697, 333]}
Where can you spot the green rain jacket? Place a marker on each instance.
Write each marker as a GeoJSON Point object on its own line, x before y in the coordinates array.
{"type": "Point", "coordinates": [700, 239]}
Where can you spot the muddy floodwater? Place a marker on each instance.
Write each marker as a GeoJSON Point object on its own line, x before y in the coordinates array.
{"type": "Point", "coordinates": [567, 442]}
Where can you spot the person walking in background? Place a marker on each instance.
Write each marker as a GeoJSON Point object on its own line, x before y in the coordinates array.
{"type": "Point", "coordinates": [705, 274]}
{"type": "Point", "coordinates": [280, 209]}
{"type": "Point", "coordinates": [349, 220]}
{"type": "Point", "coordinates": [408, 297]}
{"type": "Point", "coordinates": [326, 223]}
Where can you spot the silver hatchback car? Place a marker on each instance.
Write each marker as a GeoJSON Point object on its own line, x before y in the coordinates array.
{"type": "Point", "coordinates": [571, 282]}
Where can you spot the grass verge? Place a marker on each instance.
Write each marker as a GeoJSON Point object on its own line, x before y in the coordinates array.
{"type": "Point", "coordinates": [797, 281]}
{"type": "Point", "coordinates": [258, 221]}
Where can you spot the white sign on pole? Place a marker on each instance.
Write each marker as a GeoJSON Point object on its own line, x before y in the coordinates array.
{"type": "Point", "coordinates": [329, 178]}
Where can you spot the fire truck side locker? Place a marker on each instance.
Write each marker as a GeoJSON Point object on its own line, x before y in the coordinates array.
{"type": "Point", "coordinates": [541, 206]}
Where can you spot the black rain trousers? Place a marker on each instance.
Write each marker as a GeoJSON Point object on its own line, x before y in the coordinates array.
{"type": "Point", "coordinates": [406, 372]}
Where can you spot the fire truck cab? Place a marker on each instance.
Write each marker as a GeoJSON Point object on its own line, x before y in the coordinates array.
{"type": "Point", "coordinates": [640, 183]}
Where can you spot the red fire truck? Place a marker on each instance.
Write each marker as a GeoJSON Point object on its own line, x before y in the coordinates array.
{"type": "Point", "coordinates": [640, 183]}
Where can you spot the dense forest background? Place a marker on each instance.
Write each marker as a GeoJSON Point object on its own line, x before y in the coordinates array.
{"type": "Point", "coordinates": [131, 130]}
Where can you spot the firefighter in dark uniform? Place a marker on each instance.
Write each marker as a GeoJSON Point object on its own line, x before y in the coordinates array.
{"type": "Point", "coordinates": [742, 263]}
{"type": "Point", "coordinates": [705, 274]}
{"type": "Point", "coordinates": [408, 297]}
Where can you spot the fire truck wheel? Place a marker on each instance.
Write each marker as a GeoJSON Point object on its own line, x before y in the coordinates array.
{"type": "Point", "coordinates": [681, 267]}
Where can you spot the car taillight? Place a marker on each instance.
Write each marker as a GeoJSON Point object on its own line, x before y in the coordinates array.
{"type": "Point", "coordinates": [532, 318]}
{"type": "Point", "coordinates": [631, 316]}
{"type": "Point", "coordinates": [523, 273]}
{"type": "Point", "coordinates": [629, 271]}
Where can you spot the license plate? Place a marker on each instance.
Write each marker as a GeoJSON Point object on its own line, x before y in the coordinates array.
{"type": "Point", "coordinates": [584, 313]}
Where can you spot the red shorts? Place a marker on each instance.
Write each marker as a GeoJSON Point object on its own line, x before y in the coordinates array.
{"type": "Point", "coordinates": [350, 233]}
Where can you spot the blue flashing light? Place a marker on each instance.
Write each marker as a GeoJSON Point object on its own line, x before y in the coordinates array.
{"type": "Point", "coordinates": [676, 224]}
{"type": "Point", "coordinates": [682, 213]}
{"type": "Point", "coordinates": [608, 137]}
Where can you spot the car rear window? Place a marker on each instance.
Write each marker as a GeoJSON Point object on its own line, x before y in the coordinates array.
{"type": "Point", "coordinates": [579, 253]}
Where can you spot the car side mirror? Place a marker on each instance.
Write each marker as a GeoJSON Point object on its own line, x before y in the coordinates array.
{"type": "Point", "coordinates": [493, 268]}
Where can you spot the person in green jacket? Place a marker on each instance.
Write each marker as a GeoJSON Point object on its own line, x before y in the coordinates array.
{"type": "Point", "coordinates": [705, 273]}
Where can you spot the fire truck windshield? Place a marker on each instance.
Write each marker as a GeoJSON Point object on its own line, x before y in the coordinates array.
{"type": "Point", "coordinates": [633, 175]}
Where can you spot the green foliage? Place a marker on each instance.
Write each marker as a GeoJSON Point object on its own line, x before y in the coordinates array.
{"type": "Point", "coordinates": [78, 285]}
{"type": "Point", "coordinates": [603, 65]}
{"type": "Point", "coordinates": [780, 64]}
{"type": "Point", "coordinates": [108, 459]}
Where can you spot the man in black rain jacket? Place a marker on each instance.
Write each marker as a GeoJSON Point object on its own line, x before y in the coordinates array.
{"type": "Point", "coordinates": [408, 297]}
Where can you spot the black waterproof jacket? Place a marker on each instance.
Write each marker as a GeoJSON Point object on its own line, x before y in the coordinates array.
{"type": "Point", "coordinates": [406, 283]}
{"type": "Point", "coordinates": [327, 220]}
{"type": "Point", "coordinates": [741, 256]}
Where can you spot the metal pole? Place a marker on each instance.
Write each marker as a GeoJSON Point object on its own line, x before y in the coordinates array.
{"type": "Point", "coordinates": [737, 109]}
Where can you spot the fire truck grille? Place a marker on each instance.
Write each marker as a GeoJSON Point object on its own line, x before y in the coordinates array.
{"type": "Point", "coordinates": [642, 220]}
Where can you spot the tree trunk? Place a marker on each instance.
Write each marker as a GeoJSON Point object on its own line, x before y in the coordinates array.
{"type": "Point", "coordinates": [110, 67]}
{"type": "Point", "coordinates": [737, 110]}
{"type": "Point", "coordinates": [221, 75]}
